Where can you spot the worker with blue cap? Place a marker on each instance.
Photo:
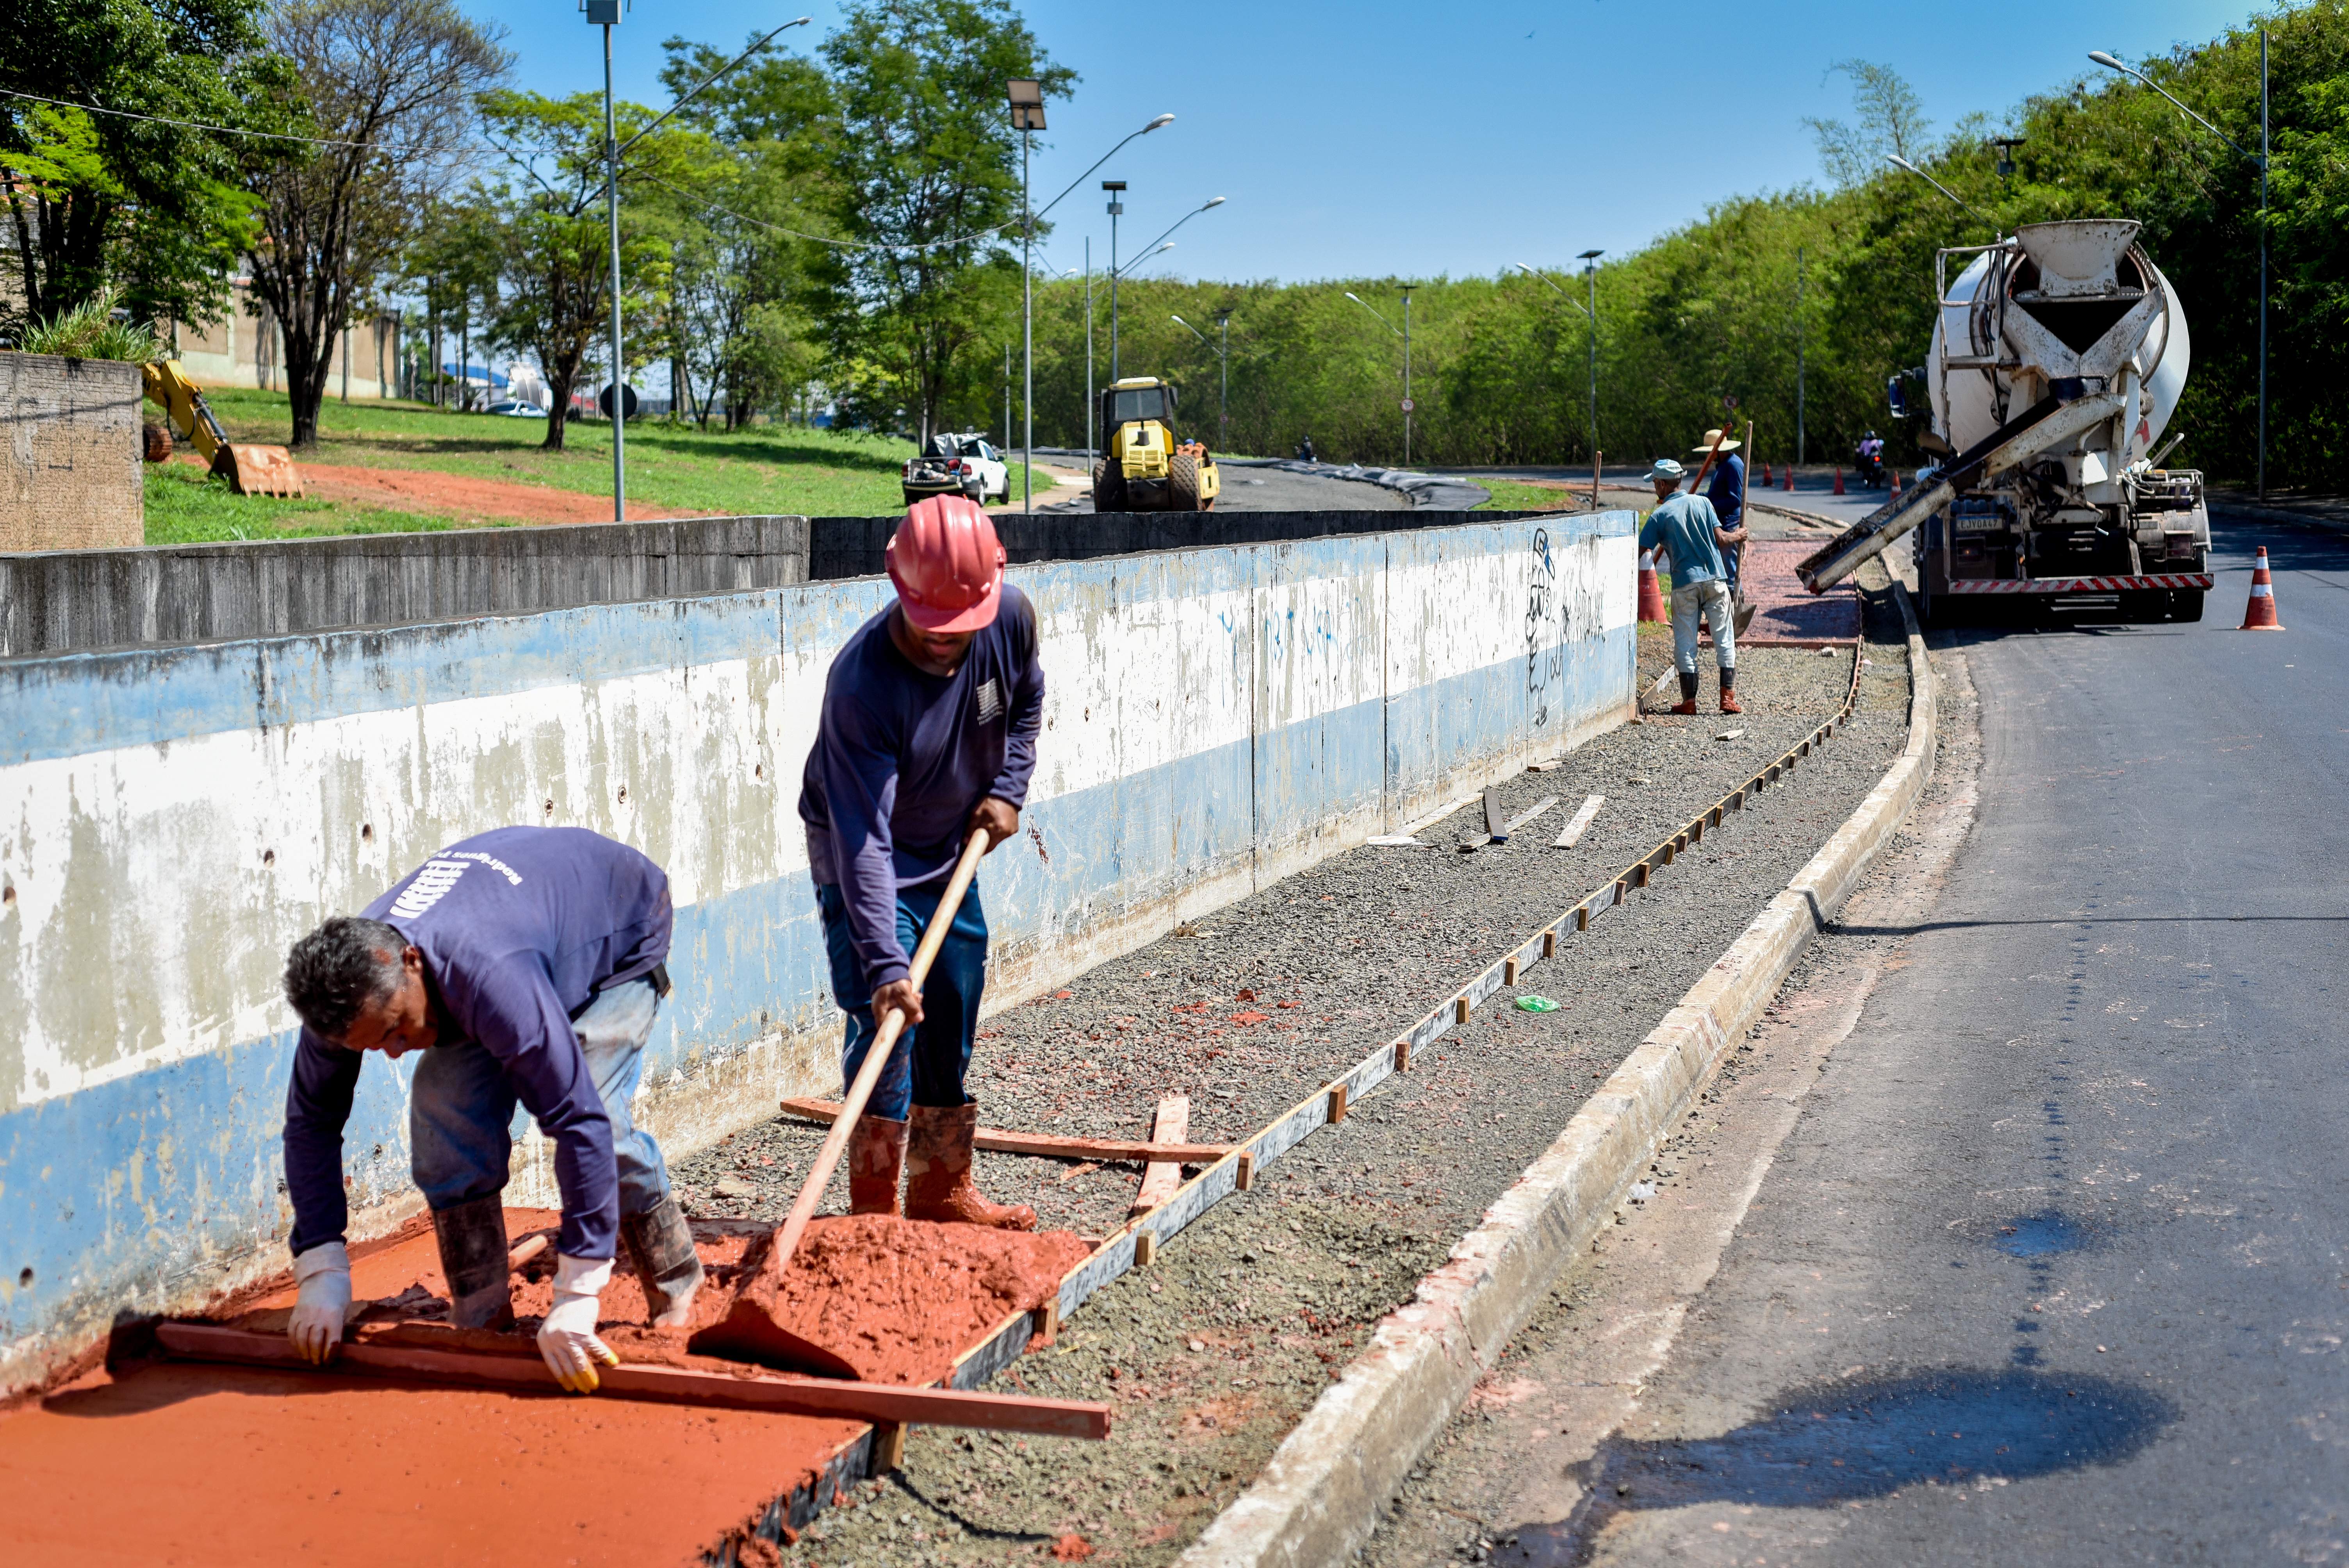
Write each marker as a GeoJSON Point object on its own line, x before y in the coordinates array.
{"type": "Point", "coordinates": [1685, 527]}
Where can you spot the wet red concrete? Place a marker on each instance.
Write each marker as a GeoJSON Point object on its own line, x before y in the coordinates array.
{"type": "Point", "coordinates": [1785, 611]}
{"type": "Point", "coordinates": [183, 1463]}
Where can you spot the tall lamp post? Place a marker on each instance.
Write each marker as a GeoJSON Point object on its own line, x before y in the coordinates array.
{"type": "Point", "coordinates": [1116, 206]}
{"type": "Point", "coordinates": [2112, 63]}
{"type": "Point", "coordinates": [605, 13]}
{"type": "Point", "coordinates": [1224, 364]}
{"type": "Point", "coordinates": [1591, 315]}
{"type": "Point", "coordinates": [1027, 95]}
{"type": "Point", "coordinates": [1405, 336]}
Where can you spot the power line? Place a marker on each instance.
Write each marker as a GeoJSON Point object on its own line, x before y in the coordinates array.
{"type": "Point", "coordinates": [189, 124]}
{"type": "Point", "coordinates": [709, 206]}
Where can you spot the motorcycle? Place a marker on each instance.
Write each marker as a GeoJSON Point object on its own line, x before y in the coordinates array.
{"type": "Point", "coordinates": [1869, 461]}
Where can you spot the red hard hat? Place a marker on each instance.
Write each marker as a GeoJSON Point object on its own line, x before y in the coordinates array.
{"type": "Point", "coordinates": [947, 565]}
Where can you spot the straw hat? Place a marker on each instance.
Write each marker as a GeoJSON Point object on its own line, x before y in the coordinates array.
{"type": "Point", "coordinates": [1712, 435]}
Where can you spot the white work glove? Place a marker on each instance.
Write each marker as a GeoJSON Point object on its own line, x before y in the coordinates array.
{"type": "Point", "coordinates": [324, 1274]}
{"type": "Point", "coordinates": [567, 1339]}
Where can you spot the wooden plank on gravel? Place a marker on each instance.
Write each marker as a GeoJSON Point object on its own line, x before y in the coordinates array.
{"type": "Point", "coordinates": [1162, 1177]}
{"type": "Point", "coordinates": [779, 1393]}
{"type": "Point", "coordinates": [1579, 824]}
{"type": "Point", "coordinates": [1052, 1146]}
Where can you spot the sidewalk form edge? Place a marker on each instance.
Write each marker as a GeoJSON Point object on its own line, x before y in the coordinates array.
{"type": "Point", "coordinates": [1319, 1498]}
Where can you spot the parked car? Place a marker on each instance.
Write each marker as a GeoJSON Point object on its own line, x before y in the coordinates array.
{"type": "Point", "coordinates": [514, 408]}
{"type": "Point", "coordinates": [966, 462]}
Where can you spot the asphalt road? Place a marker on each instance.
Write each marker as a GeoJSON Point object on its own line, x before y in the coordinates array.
{"type": "Point", "coordinates": [2054, 1265]}
{"type": "Point", "coordinates": [1273, 489]}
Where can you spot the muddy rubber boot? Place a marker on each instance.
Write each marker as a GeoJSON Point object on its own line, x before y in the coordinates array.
{"type": "Point", "coordinates": [1687, 704]}
{"type": "Point", "coordinates": [876, 1156]}
{"type": "Point", "coordinates": [937, 1172]}
{"type": "Point", "coordinates": [1728, 691]}
{"type": "Point", "coordinates": [660, 1247]}
{"type": "Point", "coordinates": [472, 1237]}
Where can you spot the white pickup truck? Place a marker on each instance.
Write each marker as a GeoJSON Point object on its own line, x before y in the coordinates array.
{"type": "Point", "coordinates": [966, 462]}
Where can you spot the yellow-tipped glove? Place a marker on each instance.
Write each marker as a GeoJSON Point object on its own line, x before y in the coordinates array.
{"type": "Point", "coordinates": [567, 1339]}
{"type": "Point", "coordinates": [322, 1302]}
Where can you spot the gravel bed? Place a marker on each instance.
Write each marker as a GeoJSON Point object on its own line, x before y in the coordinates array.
{"type": "Point", "coordinates": [1212, 1352]}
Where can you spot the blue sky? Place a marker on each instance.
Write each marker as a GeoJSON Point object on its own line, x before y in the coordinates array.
{"type": "Point", "coordinates": [1383, 139]}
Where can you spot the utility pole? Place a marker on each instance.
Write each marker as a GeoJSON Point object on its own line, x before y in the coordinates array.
{"type": "Point", "coordinates": [1116, 187]}
{"type": "Point", "coordinates": [1799, 357]}
{"type": "Point", "coordinates": [1223, 390]}
{"type": "Point", "coordinates": [1007, 396]}
{"type": "Point", "coordinates": [1406, 377]}
{"type": "Point", "coordinates": [607, 13]}
{"type": "Point", "coordinates": [2263, 265]}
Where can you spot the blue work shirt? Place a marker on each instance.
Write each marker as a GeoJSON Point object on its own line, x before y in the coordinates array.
{"type": "Point", "coordinates": [1727, 491]}
{"type": "Point", "coordinates": [1682, 526]}
{"type": "Point", "coordinates": [520, 927]}
{"type": "Point", "coordinates": [901, 759]}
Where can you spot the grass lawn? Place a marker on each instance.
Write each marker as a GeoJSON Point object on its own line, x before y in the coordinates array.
{"type": "Point", "coordinates": [187, 506]}
{"type": "Point", "coordinates": [1510, 495]}
{"type": "Point", "coordinates": [763, 470]}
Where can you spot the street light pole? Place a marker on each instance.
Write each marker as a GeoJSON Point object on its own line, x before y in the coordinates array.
{"type": "Point", "coordinates": [1590, 274]}
{"type": "Point", "coordinates": [1027, 95]}
{"type": "Point", "coordinates": [1407, 379]}
{"type": "Point", "coordinates": [2113, 63]}
{"type": "Point", "coordinates": [605, 13]}
{"type": "Point", "coordinates": [1116, 187]}
{"type": "Point", "coordinates": [1224, 389]}
{"type": "Point", "coordinates": [1088, 346]}
{"type": "Point", "coordinates": [1799, 357]}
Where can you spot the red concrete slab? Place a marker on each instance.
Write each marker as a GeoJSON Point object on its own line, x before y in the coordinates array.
{"type": "Point", "coordinates": [1787, 612]}
{"type": "Point", "coordinates": [178, 1462]}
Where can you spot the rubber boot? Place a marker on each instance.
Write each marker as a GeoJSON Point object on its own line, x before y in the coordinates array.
{"type": "Point", "coordinates": [877, 1157]}
{"type": "Point", "coordinates": [472, 1237]}
{"type": "Point", "coordinates": [1728, 689]}
{"type": "Point", "coordinates": [660, 1247]}
{"type": "Point", "coordinates": [937, 1172]}
{"type": "Point", "coordinates": [1687, 704]}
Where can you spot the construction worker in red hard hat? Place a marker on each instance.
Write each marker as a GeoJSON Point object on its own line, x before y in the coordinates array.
{"type": "Point", "coordinates": [927, 734]}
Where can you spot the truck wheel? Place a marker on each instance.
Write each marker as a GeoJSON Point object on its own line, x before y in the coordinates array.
{"type": "Point", "coordinates": [1183, 482]}
{"type": "Point", "coordinates": [1109, 487]}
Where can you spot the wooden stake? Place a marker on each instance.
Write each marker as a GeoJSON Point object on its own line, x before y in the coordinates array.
{"type": "Point", "coordinates": [1460, 1005]}
{"type": "Point", "coordinates": [1509, 971]}
{"type": "Point", "coordinates": [1244, 1172]}
{"type": "Point", "coordinates": [1549, 941]}
{"type": "Point", "coordinates": [1162, 1177]}
{"type": "Point", "coordinates": [1402, 1056]}
{"type": "Point", "coordinates": [1337, 1103]}
{"type": "Point", "coordinates": [1581, 917]}
{"type": "Point", "coordinates": [1044, 1325]}
{"type": "Point", "coordinates": [1145, 1248]}
{"type": "Point", "coordinates": [889, 1446]}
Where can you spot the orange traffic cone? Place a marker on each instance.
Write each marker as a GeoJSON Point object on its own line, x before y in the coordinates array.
{"type": "Point", "coordinates": [1896, 481]}
{"type": "Point", "coordinates": [1790, 476]}
{"type": "Point", "coordinates": [1839, 490]}
{"type": "Point", "coordinates": [1651, 598]}
{"type": "Point", "coordinates": [2260, 615]}
{"type": "Point", "coordinates": [1766, 475]}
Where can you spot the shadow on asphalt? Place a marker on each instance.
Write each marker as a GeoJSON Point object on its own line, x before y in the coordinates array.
{"type": "Point", "coordinates": [1847, 1441]}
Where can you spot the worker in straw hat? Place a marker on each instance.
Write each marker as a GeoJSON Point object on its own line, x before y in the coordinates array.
{"type": "Point", "coordinates": [1685, 527]}
{"type": "Point", "coordinates": [1727, 492]}
{"type": "Point", "coordinates": [927, 735]}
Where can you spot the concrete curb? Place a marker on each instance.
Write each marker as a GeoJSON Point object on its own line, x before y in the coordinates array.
{"type": "Point", "coordinates": [1319, 1498]}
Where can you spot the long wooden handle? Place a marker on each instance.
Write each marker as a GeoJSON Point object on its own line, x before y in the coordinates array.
{"type": "Point", "coordinates": [1706, 467]}
{"type": "Point", "coordinates": [884, 1041]}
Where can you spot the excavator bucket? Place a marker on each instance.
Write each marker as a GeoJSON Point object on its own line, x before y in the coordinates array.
{"type": "Point", "coordinates": [259, 470]}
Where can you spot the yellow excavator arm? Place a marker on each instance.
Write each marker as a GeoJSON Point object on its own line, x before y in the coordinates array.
{"type": "Point", "coordinates": [250, 470]}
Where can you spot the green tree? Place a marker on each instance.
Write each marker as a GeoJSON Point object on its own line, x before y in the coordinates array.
{"type": "Point", "coordinates": [388, 86]}
{"type": "Point", "coordinates": [923, 175]}
{"type": "Point", "coordinates": [154, 210]}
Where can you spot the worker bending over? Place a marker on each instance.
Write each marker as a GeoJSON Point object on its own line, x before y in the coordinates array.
{"type": "Point", "coordinates": [927, 735]}
{"type": "Point", "coordinates": [1684, 527]}
{"type": "Point", "coordinates": [527, 965]}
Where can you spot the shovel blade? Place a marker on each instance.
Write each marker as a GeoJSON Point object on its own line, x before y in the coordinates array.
{"type": "Point", "coordinates": [749, 1333]}
{"type": "Point", "coordinates": [262, 470]}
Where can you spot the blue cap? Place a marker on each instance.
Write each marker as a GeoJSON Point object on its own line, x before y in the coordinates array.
{"type": "Point", "coordinates": [1666, 469]}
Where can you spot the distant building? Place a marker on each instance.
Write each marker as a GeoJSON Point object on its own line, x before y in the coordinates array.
{"type": "Point", "coordinates": [246, 349]}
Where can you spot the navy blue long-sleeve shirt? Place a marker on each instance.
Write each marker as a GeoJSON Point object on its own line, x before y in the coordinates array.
{"type": "Point", "coordinates": [1727, 491]}
{"type": "Point", "coordinates": [520, 927]}
{"type": "Point", "coordinates": [901, 759]}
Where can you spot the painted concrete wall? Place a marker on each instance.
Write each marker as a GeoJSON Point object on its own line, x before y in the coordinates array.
{"type": "Point", "coordinates": [172, 820]}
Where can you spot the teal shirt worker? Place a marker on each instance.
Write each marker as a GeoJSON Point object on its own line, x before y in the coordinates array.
{"type": "Point", "coordinates": [1682, 526]}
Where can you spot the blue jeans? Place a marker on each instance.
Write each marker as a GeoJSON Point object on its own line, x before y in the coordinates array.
{"type": "Point", "coordinates": [462, 1111]}
{"type": "Point", "coordinates": [1710, 600]}
{"type": "Point", "coordinates": [927, 1069]}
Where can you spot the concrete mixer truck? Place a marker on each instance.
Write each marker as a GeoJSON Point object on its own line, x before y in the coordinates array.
{"type": "Point", "coordinates": [2058, 358]}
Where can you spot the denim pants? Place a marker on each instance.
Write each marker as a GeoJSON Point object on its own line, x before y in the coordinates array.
{"type": "Point", "coordinates": [1710, 599]}
{"type": "Point", "coordinates": [928, 1068]}
{"type": "Point", "coordinates": [462, 1115]}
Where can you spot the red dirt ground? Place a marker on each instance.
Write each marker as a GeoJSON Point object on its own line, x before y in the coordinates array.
{"type": "Point", "coordinates": [454, 495]}
{"type": "Point", "coordinates": [175, 1462]}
